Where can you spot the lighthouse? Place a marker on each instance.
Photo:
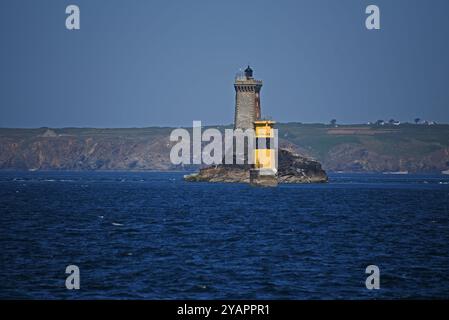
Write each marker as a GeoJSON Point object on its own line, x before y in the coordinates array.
{"type": "Point", "coordinates": [247, 99]}
{"type": "Point", "coordinates": [248, 116]}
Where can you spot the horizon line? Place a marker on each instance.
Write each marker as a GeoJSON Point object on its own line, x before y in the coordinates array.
{"type": "Point", "coordinates": [386, 124]}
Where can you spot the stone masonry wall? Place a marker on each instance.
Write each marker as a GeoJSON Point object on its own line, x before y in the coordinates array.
{"type": "Point", "coordinates": [245, 110]}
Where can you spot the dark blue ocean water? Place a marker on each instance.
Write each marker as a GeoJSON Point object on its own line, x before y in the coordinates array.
{"type": "Point", "coordinates": [153, 236]}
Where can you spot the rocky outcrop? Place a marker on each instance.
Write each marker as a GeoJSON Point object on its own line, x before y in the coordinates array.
{"type": "Point", "coordinates": [221, 173]}
{"type": "Point", "coordinates": [292, 168]}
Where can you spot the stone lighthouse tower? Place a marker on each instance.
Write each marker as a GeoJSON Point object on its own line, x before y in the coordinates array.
{"type": "Point", "coordinates": [247, 100]}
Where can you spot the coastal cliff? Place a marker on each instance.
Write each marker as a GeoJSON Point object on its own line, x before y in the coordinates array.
{"type": "Point", "coordinates": [349, 148]}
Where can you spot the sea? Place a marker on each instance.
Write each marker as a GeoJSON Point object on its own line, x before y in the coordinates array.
{"type": "Point", "coordinates": [152, 235]}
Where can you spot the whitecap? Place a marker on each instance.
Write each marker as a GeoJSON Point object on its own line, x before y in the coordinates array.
{"type": "Point", "coordinates": [117, 224]}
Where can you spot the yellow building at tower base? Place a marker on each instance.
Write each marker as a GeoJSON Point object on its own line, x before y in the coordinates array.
{"type": "Point", "coordinates": [264, 171]}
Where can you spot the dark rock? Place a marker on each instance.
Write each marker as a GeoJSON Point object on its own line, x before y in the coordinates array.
{"type": "Point", "coordinates": [292, 168]}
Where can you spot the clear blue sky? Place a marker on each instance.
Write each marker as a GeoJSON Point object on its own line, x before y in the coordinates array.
{"type": "Point", "coordinates": [144, 63]}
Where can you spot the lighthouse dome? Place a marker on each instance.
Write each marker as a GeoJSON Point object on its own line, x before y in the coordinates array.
{"type": "Point", "coordinates": [248, 72]}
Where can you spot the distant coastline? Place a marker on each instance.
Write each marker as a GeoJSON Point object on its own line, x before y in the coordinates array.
{"type": "Point", "coordinates": [340, 148]}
